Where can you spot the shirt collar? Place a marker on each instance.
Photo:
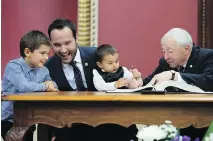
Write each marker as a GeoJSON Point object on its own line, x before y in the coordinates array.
{"type": "Point", "coordinates": [184, 65]}
{"type": "Point", "coordinates": [77, 56]}
{"type": "Point", "coordinates": [25, 66]}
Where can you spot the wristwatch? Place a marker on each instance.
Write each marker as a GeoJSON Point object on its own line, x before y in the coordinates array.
{"type": "Point", "coordinates": [173, 74]}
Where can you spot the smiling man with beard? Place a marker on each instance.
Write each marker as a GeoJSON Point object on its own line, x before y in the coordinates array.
{"type": "Point", "coordinates": [70, 60]}
{"type": "Point", "coordinates": [71, 68]}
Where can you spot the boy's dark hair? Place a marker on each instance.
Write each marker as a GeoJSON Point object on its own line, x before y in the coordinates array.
{"type": "Point", "coordinates": [103, 50]}
{"type": "Point", "coordinates": [33, 40]}
{"type": "Point", "coordinates": [60, 24]}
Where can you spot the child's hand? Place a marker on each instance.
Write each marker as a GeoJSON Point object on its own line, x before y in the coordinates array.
{"type": "Point", "coordinates": [136, 74]}
{"type": "Point", "coordinates": [54, 90]}
{"type": "Point", "coordinates": [50, 86]}
{"type": "Point", "coordinates": [121, 82]}
{"type": "Point", "coordinates": [137, 79]}
{"type": "Point", "coordinates": [133, 84]}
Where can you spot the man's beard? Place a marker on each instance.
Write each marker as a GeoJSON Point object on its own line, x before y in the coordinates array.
{"type": "Point", "coordinates": [72, 53]}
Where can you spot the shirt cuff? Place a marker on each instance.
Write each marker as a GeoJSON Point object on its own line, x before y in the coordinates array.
{"type": "Point", "coordinates": [111, 86]}
{"type": "Point", "coordinates": [44, 87]}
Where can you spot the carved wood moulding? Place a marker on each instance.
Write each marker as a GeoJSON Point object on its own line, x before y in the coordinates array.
{"type": "Point", "coordinates": [205, 23]}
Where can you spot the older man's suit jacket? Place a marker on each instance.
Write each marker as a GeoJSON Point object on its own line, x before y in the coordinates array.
{"type": "Point", "coordinates": [54, 66]}
{"type": "Point", "coordinates": [198, 71]}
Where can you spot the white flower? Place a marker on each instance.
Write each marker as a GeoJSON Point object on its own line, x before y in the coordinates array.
{"type": "Point", "coordinates": [210, 138]}
{"type": "Point", "coordinates": [180, 138]}
{"type": "Point", "coordinates": [151, 133]}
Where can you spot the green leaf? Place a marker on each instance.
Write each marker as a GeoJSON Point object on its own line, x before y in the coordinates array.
{"type": "Point", "coordinates": [209, 131]}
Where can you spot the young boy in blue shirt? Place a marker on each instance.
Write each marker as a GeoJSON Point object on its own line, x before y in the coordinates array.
{"type": "Point", "coordinates": [26, 74]}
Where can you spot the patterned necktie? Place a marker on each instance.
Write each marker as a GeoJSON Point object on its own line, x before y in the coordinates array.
{"type": "Point", "coordinates": [78, 77]}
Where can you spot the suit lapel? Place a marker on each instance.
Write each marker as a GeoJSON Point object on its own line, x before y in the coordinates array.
{"type": "Point", "coordinates": [190, 63]}
{"type": "Point", "coordinates": [86, 65]}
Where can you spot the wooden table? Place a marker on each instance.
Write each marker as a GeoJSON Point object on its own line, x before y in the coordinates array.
{"type": "Point", "coordinates": [94, 108]}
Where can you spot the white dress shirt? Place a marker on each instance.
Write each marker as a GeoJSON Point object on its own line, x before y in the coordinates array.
{"type": "Point", "coordinates": [69, 73]}
{"type": "Point", "coordinates": [100, 83]}
{"type": "Point", "coordinates": [179, 78]}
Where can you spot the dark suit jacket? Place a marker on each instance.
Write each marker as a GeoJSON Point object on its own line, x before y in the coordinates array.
{"type": "Point", "coordinates": [54, 66]}
{"type": "Point", "coordinates": [198, 71]}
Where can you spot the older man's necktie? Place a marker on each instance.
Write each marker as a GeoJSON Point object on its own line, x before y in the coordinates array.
{"type": "Point", "coordinates": [78, 77]}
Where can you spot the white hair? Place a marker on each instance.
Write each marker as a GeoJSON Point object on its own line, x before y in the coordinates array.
{"type": "Point", "coordinates": [181, 36]}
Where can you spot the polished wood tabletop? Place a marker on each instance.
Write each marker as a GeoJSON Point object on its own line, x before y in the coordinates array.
{"type": "Point", "coordinates": [102, 96]}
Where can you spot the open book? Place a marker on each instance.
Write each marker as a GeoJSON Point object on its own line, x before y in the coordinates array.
{"type": "Point", "coordinates": [164, 86]}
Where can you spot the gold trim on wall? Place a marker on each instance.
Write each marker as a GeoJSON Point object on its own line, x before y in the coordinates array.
{"type": "Point", "coordinates": [87, 22]}
{"type": "Point", "coordinates": [94, 23]}
{"type": "Point", "coordinates": [205, 23]}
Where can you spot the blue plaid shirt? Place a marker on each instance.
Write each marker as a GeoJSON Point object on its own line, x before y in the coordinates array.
{"type": "Point", "coordinates": [19, 77]}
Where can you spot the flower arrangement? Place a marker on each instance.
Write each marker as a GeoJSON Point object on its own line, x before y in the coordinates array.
{"type": "Point", "coordinates": [165, 131]}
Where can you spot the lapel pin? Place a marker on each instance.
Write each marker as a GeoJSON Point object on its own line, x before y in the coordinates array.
{"type": "Point", "coordinates": [86, 64]}
{"type": "Point", "coordinates": [190, 66]}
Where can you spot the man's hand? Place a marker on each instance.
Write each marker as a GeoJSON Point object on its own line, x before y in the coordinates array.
{"type": "Point", "coordinates": [50, 86]}
{"type": "Point", "coordinates": [121, 82]}
{"type": "Point", "coordinates": [161, 77]}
